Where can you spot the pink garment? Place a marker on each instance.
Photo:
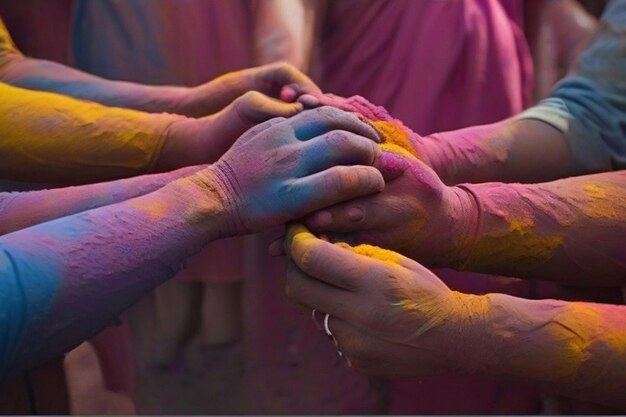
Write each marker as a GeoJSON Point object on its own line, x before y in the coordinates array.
{"type": "Point", "coordinates": [436, 65]}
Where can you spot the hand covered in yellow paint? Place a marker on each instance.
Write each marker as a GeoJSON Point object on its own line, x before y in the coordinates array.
{"type": "Point", "coordinates": [416, 214]}
{"type": "Point", "coordinates": [278, 81]}
{"type": "Point", "coordinates": [389, 315]}
{"type": "Point", "coordinates": [284, 169]}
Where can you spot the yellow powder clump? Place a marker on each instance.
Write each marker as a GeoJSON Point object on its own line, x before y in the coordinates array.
{"type": "Point", "coordinates": [520, 245]}
{"type": "Point", "coordinates": [396, 138]}
{"type": "Point", "coordinates": [374, 252]}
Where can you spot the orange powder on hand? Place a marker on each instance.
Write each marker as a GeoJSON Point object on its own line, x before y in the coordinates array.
{"type": "Point", "coordinates": [396, 138]}
{"type": "Point", "coordinates": [373, 252]}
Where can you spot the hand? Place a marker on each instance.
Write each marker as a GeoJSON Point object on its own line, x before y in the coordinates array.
{"type": "Point", "coordinates": [416, 214]}
{"type": "Point", "coordinates": [283, 169]}
{"type": "Point", "coordinates": [279, 80]}
{"type": "Point", "coordinates": [389, 316]}
{"type": "Point", "coordinates": [205, 140]}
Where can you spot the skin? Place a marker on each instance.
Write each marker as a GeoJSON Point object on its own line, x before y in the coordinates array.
{"type": "Point", "coordinates": [39, 128]}
{"type": "Point", "coordinates": [19, 210]}
{"type": "Point", "coordinates": [49, 138]}
{"type": "Point", "coordinates": [64, 280]}
{"type": "Point", "coordinates": [390, 316]}
{"type": "Point", "coordinates": [570, 231]}
{"type": "Point", "coordinates": [198, 101]}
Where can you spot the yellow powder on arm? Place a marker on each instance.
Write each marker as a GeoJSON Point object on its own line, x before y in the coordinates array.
{"type": "Point", "coordinates": [50, 137]}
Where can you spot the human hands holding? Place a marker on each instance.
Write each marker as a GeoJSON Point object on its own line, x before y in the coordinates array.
{"type": "Point", "coordinates": [388, 315]}
{"type": "Point", "coordinates": [279, 81]}
{"type": "Point", "coordinates": [416, 214]}
{"type": "Point", "coordinates": [283, 169]}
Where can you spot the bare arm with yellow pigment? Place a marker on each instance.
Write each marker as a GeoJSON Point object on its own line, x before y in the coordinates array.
{"type": "Point", "coordinates": [570, 231]}
{"type": "Point", "coordinates": [390, 316]}
{"type": "Point", "coordinates": [208, 98]}
{"type": "Point", "coordinates": [572, 226]}
{"type": "Point", "coordinates": [50, 138]}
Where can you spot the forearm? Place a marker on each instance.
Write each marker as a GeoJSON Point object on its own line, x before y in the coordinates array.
{"type": "Point", "coordinates": [51, 138]}
{"type": "Point", "coordinates": [64, 280]}
{"type": "Point", "coordinates": [573, 349]}
{"type": "Point", "coordinates": [38, 74]}
{"type": "Point", "coordinates": [513, 150]}
{"type": "Point", "coordinates": [570, 230]}
{"type": "Point", "coordinates": [20, 210]}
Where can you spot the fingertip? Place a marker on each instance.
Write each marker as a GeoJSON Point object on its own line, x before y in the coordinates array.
{"type": "Point", "coordinates": [309, 100]}
{"type": "Point", "coordinates": [288, 94]}
{"type": "Point", "coordinates": [296, 235]}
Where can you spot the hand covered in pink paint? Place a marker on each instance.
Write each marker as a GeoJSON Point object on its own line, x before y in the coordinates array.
{"type": "Point", "coordinates": [389, 316]}
{"type": "Point", "coordinates": [283, 169]}
{"type": "Point", "coordinates": [416, 214]}
{"type": "Point", "coordinates": [279, 80]}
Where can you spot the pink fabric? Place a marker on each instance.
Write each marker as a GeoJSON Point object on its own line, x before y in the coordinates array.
{"type": "Point", "coordinates": [40, 29]}
{"type": "Point", "coordinates": [437, 65]}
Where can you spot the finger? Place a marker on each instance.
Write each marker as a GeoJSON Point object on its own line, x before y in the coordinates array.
{"type": "Point", "coordinates": [293, 92]}
{"type": "Point", "coordinates": [311, 123]}
{"type": "Point", "coordinates": [257, 129]}
{"type": "Point", "coordinates": [335, 185]}
{"type": "Point", "coordinates": [270, 78]}
{"type": "Point", "coordinates": [318, 295]}
{"type": "Point", "coordinates": [337, 147]}
{"type": "Point", "coordinates": [309, 101]}
{"type": "Point", "coordinates": [277, 247]}
{"type": "Point", "coordinates": [254, 107]}
{"type": "Point", "coordinates": [327, 262]}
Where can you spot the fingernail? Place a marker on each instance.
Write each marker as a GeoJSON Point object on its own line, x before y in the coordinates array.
{"type": "Point", "coordinates": [354, 214]}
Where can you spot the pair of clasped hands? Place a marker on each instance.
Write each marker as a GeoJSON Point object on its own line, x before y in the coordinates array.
{"type": "Point", "coordinates": [323, 168]}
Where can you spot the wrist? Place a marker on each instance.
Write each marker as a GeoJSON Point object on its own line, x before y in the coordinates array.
{"type": "Point", "coordinates": [184, 144]}
{"type": "Point", "coordinates": [458, 218]}
{"type": "Point", "coordinates": [211, 200]}
{"type": "Point", "coordinates": [469, 351]}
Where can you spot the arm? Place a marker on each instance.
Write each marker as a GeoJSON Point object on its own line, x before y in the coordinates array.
{"type": "Point", "coordinates": [390, 316]}
{"type": "Point", "coordinates": [577, 130]}
{"type": "Point", "coordinates": [64, 280]}
{"type": "Point", "coordinates": [202, 100]}
{"type": "Point", "coordinates": [51, 138]}
{"type": "Point", "coordinates": [569, 230]}
{"type": "Point", "coordinates": [20, 210]}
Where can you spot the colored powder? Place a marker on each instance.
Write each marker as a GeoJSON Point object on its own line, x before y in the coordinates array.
{"type": "Point", "coordinates": [520, 245]}
{"type": "Point", "coordinates": [397, 137]}
{"type": "Point", "coordinates": [373, 252]}
{"type": "Point", "coordinates": [598, 206]}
